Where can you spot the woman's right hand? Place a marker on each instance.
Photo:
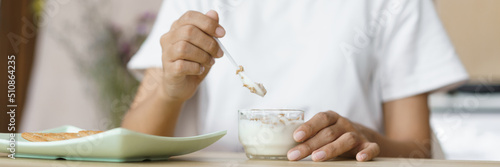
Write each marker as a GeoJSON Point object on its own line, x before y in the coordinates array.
{"type": "Point", "coordinates": [188, 52]}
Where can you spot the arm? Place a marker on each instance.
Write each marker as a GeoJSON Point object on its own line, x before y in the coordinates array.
{"type": "Point", "coordinates": [328, 135]}
{"type": "Point", "coordinates": [407, 129]}
{"type": "Point", "coordinates": [188, 52]}
{"type": "Point", "coordinates": [152, 112]}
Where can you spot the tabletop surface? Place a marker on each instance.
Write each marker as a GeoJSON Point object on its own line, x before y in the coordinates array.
{"type": "Point", "coordinates": [225, 159]}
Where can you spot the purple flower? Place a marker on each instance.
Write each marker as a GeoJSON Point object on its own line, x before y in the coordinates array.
{"type": "Point", "coordinates": [147, 16]}
{"type": "Point", "coordinates": [142, 30]}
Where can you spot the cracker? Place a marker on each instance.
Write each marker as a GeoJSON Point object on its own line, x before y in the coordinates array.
{"type": "Point", "coordinates": [45, 137]}
{"type": "Point", "coordinates": [35, 137]}
{"type": "Point", "coordinates": [84, 133]}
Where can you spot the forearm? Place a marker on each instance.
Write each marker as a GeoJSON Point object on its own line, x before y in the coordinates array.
{"type": "Point", "coordinates": [153, 116]}
{"type": "Point", "coordinates": [152, 112]}
{"type": "Point", "coordinates": [417, 148]}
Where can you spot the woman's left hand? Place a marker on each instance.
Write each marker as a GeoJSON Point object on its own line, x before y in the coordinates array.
{"type": "Point", "coordinates": [328, 135]}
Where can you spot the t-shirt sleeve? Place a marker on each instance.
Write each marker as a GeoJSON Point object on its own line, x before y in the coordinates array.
{"type": "Point", "coordinates": [416, 54]}
{"type": "Point", "coordinates": [149, 54]}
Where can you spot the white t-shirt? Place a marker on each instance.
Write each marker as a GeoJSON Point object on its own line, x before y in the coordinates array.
{"type": "Point", "coordinates": [348, 56]}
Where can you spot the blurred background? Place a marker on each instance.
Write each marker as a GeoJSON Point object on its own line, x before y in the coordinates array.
{"type": "Point", "coordinates": [71, 58]}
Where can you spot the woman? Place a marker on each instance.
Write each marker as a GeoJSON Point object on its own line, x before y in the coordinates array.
{"type": "Point", "coordinates": [362, 71]}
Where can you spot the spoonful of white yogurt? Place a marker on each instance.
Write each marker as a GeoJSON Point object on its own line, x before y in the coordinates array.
{"type": "Point", "coordinates": [254, 87]}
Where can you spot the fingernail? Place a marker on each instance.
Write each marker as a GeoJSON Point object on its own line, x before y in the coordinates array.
{"type": "Point", "coordinates": [220, 53]}
{"type": "Point", "coordinates": [212, 14]}
{"type": "Point", "coordinates": [219, 31]}
{"type": "Point", "coordinates": [319, 155]}
{"type": "Point", "coordinates": [362, 157]}
{"type": "Point", "coordinates": [294, 155]}
{"type": "Point", "coordinates": [210, 11]}
{"type": "Point", "coordinates": [299, 135]}
{"type": "Point", "coordinates": [212, 61]}
{"type": "Point", "coordinates": [202, 69]}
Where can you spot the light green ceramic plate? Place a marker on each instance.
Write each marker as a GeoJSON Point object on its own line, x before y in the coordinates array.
{"type": "Point", "coordinates": [115, 145]}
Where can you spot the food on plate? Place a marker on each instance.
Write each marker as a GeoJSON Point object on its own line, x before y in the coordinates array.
{"type": "Point", "coordinates": [45, 137]}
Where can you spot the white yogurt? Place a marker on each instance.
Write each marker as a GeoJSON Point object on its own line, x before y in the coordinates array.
{"type": "Point", "coordinates": [268, 137]}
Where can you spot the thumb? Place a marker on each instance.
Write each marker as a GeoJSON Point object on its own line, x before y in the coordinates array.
{"type": "Point", "coordinates": [213, 14]}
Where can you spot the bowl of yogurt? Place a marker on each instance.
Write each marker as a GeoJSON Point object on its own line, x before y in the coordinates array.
{"type": "Point", "coordinates": [268, 133]}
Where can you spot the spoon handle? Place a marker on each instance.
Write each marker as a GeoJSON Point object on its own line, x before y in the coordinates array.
{"type": "Point", "coordinates": [227, 54]}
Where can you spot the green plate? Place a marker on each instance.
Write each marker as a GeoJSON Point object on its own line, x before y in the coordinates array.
{"type": "Point", "coordinates": [115, 145]}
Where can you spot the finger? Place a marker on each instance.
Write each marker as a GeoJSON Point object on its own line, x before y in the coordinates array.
{"type": "Point", "coordinates": [181, 68]}
{"type": "Point", "coordinates": [204, 22]}
{"type": "Point", "coordinates": [184, 50]}
{"type": "Point", "coordinates": [325, 136]}
{"type": "Point", "coordinates": [344, 143]}
{"type": "Point", "coordinates": [198, 38]}
{"type": "Point", "coordinates": [213, 14]}
{"type": "Point", "coordinates": [315, 124]}
{"type": "Point", "coordinates": [368, 151]}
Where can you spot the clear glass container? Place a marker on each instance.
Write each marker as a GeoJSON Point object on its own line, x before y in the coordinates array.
{"type": "Point", "coordinates": [268, 133]}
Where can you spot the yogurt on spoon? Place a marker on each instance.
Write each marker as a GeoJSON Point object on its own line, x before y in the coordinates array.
{"type": "Point", "coordinates": [254, 87]}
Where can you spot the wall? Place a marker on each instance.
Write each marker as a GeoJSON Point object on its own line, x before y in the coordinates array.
{"type": "Point", "coordinates": [59, 93]}
{"type": "Point", "coordinates": [474, 28]}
